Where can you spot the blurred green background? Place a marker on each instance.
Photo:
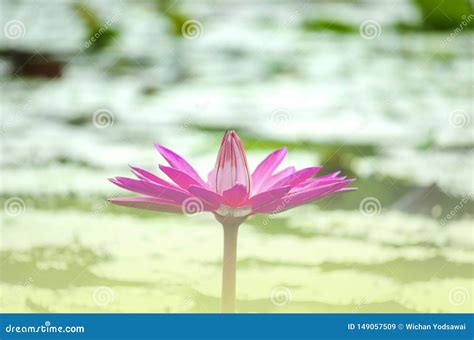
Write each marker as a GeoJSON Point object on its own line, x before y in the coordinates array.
{"type": "Point", "coordinates": [380, 89]}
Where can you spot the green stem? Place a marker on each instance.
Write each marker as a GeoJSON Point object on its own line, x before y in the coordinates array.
{"type": "Point", "coordinates": [229, 267]}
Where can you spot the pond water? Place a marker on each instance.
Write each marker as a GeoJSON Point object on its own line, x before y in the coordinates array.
{"type": "Point", "coordinates": [392, 109]}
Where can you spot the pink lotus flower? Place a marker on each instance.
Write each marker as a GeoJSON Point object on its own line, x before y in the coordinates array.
{"type": "Point", "coordinates": [231, 193]}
